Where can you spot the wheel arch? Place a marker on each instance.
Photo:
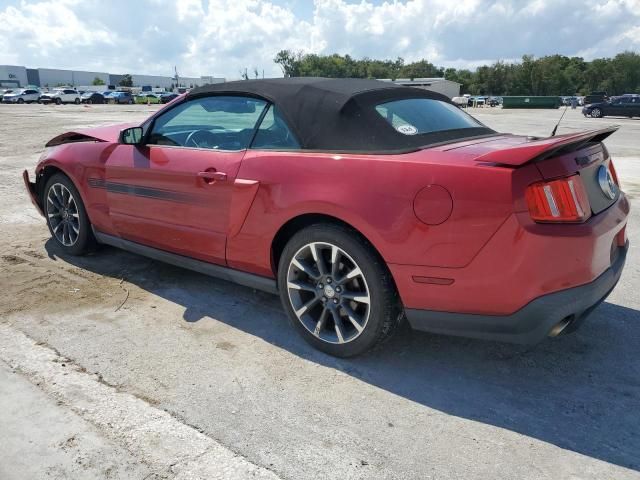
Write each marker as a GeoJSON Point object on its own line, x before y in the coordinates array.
{"type": "Point", "coordinates": [48, 169]}
{"type": "Point", "coordinates": [297, 223]}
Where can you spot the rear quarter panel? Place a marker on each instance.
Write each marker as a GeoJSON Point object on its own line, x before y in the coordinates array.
{"type": "Point", "coordinates": [374, 194]}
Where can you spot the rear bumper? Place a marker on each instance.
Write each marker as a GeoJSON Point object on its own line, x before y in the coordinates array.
{"type": "Point", "coordinates": [31, 190]}
{"type": "Point", "coordinates": [533, 322]}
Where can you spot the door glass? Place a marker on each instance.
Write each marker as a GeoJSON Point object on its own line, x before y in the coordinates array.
{"type": "Point", "coordinates": [274, 134]}
{"type": "Point", "coordinates": [218, 122]}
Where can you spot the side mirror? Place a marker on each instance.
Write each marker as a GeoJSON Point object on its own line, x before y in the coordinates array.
{"type": "Point", "coordinates": [131, 136]}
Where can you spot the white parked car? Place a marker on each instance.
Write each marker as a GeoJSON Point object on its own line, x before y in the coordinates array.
{"type": "Point", "coordinates": [61, 95]}
{"type": "Point", "coordinates": [24, 95]}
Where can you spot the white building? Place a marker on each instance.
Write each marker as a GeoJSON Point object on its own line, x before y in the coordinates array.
{"type": "Point", "coordinates": [19, 76]}
{"type": "Point", "coordinates": [51, 77]}
{"type": "Point", "coordinates": [441, 85]}
{"type": "Point", "coordinates": [13, 76]}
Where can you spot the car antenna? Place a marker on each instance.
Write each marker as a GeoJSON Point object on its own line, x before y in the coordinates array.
{"type": "Point", "coordinates": [555, 129]}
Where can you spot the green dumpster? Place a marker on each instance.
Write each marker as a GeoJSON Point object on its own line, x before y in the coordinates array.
{"type": "Point", "coordinates": [531, 102]}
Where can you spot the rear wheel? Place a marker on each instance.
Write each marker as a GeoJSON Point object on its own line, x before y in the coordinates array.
{"type": "Point", "coordinates": [336, 291]}
{"type": "Point", "coordinates": [66, 216]}
{"type": "Point", "coordinates": [77, 101]}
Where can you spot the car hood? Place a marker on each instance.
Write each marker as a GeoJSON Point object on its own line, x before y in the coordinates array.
{"type": "Point", "coordinates": [109, 133]}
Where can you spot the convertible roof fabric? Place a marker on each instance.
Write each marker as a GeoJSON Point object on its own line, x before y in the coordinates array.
{"type": "Point", "coordinates": [338, 114]}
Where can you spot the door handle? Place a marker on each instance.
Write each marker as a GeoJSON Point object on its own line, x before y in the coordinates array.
{"type": "Point", "coordinates": [211, 176]}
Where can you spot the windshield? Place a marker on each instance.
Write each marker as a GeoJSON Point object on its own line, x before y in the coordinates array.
{"type": "Point", "coordinates": [415, 116]}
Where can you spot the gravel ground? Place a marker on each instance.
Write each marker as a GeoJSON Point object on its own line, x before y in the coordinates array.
{"type": "Point", "coordinates": [222, 359]}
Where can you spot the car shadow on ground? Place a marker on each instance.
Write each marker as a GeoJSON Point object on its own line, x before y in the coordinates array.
{"type": "Point", "coordinates": [580, 392]}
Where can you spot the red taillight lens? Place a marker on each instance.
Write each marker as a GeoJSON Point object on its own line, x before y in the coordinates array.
{"type": "Point", "coordinates": [562, 200]}
{"type": "Point", "coordinates": [613, 173]}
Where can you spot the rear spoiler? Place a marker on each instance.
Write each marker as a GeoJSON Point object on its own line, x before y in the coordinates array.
{"type": "Point", "coordinates": [546, 147]}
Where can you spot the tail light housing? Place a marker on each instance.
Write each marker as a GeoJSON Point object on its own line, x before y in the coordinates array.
{"type": "Point", "coordinates": [559, 201]}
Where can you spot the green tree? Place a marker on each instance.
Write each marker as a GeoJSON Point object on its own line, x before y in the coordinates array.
{"type": "Point", "coordinates": [549, 75]}
{"type": "Point", "coordinates": [126, 81]}
{"type": "Point", "coordinates": [97, 81]}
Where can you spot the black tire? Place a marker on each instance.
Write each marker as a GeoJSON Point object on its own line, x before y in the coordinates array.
{"type": "Point", "coordinates": [384, 307]}
{"type": "Point", "coordinates": [58, 101]}
{"type": "Point", "coordinates": [85, 241]}
{"type": "Point", "coordinates": [596, 113]}
{"type": "Point", "coordinates": [77, 101]}
{"type": "Point", "coordinates": [21, 100]}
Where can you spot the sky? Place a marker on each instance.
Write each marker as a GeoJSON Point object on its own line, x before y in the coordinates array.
{"type": "Point", "coordinates": [223, 37]}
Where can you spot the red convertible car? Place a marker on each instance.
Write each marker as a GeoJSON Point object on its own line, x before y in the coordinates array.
{"type": "Point", "coordinates": [360, 202]}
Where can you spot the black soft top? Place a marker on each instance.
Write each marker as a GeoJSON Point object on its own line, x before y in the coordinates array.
{"type": "Point", "coordinates": [338, 114]}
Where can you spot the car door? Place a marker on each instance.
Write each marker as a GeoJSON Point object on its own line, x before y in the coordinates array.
{"type": "Point", "coordinates": [174, 192]}
{"type": "Point", "coordinates": [617, 106]}
{"type": "Point", "coordinates": [633, 107]}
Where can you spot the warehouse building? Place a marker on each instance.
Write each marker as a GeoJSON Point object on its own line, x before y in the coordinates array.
{"type": "Point", "coordinates": [19, 76]}
{"type": "Point", "coordinates": [441, 85]}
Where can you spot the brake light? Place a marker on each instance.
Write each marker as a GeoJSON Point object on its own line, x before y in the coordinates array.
{"type": "Point", "coordinates": [613, 173]}
{"type": "Point", "coordinates": [562, 200]}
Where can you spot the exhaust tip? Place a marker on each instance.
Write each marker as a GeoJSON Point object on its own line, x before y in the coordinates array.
{"type": "Point", "coordinates": [561, 326]}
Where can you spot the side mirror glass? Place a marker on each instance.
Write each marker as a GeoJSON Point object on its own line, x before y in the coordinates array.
{"type": "Point", "coordinates": [131, 136]}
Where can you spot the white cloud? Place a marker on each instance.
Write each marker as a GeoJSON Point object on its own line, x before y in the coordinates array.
{"type": "Point", "coordinates": [222, 37]}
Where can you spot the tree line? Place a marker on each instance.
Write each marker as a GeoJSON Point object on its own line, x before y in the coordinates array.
{"type": "Point", "coordinates": [548, 75]}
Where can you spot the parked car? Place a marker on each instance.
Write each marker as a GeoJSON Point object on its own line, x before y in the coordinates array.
{"type": "Point", "coordinates": [5, 91]}
{"type": "Point", "coordinates": [595, 97]}
{"type": "Point", "coordinates": [625, 106]}
{"type": "Point", "coordinates": [476, 101]}
{"type": "Point", "coordinates": [360, 202]}
{"type": "Point", "coordinates": [120, 97]}
{"type": "Point", "coordinates": [60, 96]}
{"type": "Point", "coordinates": [92, 97]}
{"type": "Point", "coordinates": [148, 98]}
{"type": "Point", "coordinates": [25, 95]}
{"type": "Point", "coordinates": [167, 97]}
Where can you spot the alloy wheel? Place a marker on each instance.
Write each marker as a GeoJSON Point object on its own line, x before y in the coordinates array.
{"type": "Point", "coordinates": [595, 113]}
{"type": "Point", "coordinates": [328, 292]}
{"type": "Point", "coordinates": [62, 214]}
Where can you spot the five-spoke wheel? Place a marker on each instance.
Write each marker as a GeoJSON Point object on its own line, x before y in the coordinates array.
{"type": "Point", "coordinates": [66, 216]}
{"type": "Point", "coordinates": [337, 290]}
{"type": "Point", "coordinates": [328, 292]}
{"type": "Point", "coordinates": [62, 213]}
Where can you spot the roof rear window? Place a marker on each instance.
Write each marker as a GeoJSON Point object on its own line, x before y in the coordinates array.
{"type": "Point", "coordinates": [414, 116]}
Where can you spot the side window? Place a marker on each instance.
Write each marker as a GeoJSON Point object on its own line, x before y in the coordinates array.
{"type": "Point", "coordinates": [216, 122]}
{"type": "Point", "coordinates": [274, 134]}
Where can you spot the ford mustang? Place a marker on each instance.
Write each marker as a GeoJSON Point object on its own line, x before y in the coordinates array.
{"type": "Point", "coordinates": [361, 203]}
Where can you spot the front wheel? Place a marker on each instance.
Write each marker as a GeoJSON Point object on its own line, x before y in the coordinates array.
{"type": "Point", "coordinates": [58, 101]}
{"type": "Point", "coordinates": [66, 216]}
{"type": "Point", "coordinates": [596, 113]}
{"type": "Point", "coordinates": [21, 100]}
{"type": "Point", "coordinates": [336, 290]}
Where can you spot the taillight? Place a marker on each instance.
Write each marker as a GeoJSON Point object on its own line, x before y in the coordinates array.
{"type": "Point", "coordinates": [613, 173]}
{"type": "Point", "coordinates": [562, 200]}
